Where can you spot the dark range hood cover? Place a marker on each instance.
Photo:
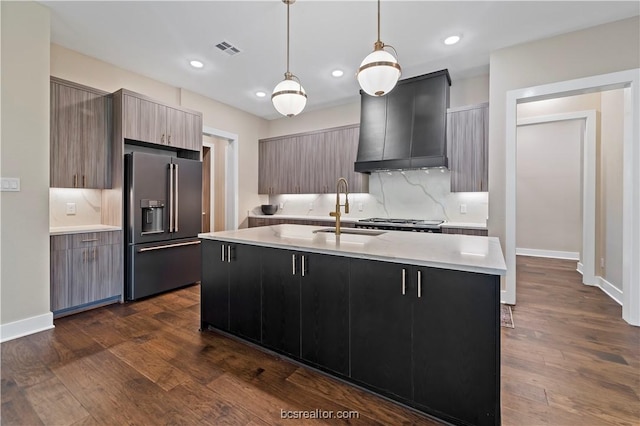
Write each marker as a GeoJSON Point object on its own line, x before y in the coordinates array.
{"type": "Point", "coordinates": [407, 128]}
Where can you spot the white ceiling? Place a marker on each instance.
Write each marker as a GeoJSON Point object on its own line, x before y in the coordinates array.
{"type": "Point", "coordinates": [158, 38]}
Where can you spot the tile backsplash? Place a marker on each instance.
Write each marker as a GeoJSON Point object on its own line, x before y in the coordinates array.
{"type": "Point", "coordinates": [411, 194]}
{"type": "Point", "coordinates": [88, 205]}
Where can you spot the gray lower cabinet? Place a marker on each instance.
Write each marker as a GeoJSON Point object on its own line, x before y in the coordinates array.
{"type": "Point", "coordinates": [310, 163]}
{"type": "Point", "coordinates": [86, 270]}
{"type": "Point", "coordinates": [468, 148]}
{"type": "Point", "coordinates": [426, 337]}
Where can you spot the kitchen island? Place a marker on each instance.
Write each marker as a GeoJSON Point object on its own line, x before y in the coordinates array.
{"type": "Point", "coordinates": [411, 316]}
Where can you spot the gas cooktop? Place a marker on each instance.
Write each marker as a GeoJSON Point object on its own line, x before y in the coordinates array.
{"type": "Point", "coordinates": [400, 224]}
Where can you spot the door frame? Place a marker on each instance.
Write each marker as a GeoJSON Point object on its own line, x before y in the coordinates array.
{"type": "Point", "coordinates": [630, 81]}
{"type": "Point", "coordinates": [586, 263]}
{"type": "Point", "coordinates": [231, 175]}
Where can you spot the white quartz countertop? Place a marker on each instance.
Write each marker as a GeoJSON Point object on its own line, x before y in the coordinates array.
{"type": "Point", "coordinates": [79, 229]}
{"type": "Point", "coordinates": [447, 251]}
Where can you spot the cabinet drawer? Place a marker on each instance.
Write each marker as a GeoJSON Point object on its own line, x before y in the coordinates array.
{"type": "Point", "coordinates": [93, 239]}
{"type": "Point", "coordinates": [88, 239]}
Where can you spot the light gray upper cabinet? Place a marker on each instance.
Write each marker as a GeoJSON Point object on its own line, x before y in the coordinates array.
{"type": "Point", "coordinates": [468, 146]}
{"type": "Point", "coordinates": [310, 163]}
{"type": "Point", "coordinates": [80, 124]}
{"type": "Point", "coordinates": [149, 121]}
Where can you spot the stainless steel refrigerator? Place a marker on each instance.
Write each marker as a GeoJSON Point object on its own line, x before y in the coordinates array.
{"type": "Point", "coordinates": [163, 211]}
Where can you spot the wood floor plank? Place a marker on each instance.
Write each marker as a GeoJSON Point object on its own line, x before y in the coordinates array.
{"type": "Point", "coordinates": [54, 403]}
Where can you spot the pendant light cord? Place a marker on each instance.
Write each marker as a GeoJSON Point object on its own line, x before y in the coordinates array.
{"type": "Point", "coordinates": [288, 5]}
{"type": "Point", "coordinates": [378, 21]}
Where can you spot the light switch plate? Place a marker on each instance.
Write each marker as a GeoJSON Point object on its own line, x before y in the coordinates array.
{"type": "Point", "coordinates": [359, 207]}
{"type": "Point", "coordinates": [10, 184]}
{"type": "Point", "coordinates": [463, 208]}
{"type": "Point", "coordinates": [310, 206]}
{"type": "Point", "coordinates": [281, 206]}
{"type": "Point", "coordinates": [71, 209]}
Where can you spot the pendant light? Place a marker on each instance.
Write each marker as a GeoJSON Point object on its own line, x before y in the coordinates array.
{"type": "Point", "coordinates": [289, 97]}
{"type": "Point", "coordinates": [379, 71]}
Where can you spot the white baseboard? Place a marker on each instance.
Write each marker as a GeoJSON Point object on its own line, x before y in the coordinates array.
{"type": "Point", "coordinates": [580, 268]}
{"type": "Point", "coordinates": [27, 326]}
{"type": "Point", "coordinates": [569, 255]}
{"type": "Point", "coordinates": [611, 290]}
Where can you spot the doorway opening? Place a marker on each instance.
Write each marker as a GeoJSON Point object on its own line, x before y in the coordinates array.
{"type": "Point", "coordinates": [220, 190]}
{"type": "Point", "coordinates": [630, 82]}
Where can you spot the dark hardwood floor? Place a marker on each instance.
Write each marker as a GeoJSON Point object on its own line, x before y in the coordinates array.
{"type": "Point", "coordinates": [570, 360]}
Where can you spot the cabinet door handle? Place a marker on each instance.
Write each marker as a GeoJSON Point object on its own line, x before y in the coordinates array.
{"type": "Point", "coordinates": [419, 284]}
{"type": "Point", "coordinates": [75, 181]}
{"type": "Point", "coordinates": [293, 263]}
{"type": "Point", "coordinates": [222, 246]}
{"type": "Point", "coordinates": [229, 253]}
{"type": "Point", "coordinates": [162, 138]}
{"type": "Point", "coordinates": [404, 281]}
{"type": "Point", "coordinates": [302, 265]}
{"type": "Point", "coordinates": [84, 183]}
{"type": "Point", "coordinates": [95, 254]}
{"type": "Point", "coordinates": [84, 256]}
{"type": "Point", "coordinates": [169, 139]}
{"type": "Point", "coordinates": [90, 240]}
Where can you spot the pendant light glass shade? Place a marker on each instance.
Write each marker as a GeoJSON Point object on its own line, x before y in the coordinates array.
{"type": "Point", "coordinates": [379, 71]}
{"type": "Point", "coordinates": [289, 97]}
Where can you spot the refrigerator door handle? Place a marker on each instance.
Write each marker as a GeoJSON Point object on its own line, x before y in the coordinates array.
{"type": "Point", "coordinates": [170, 197]}
{"type": "Point", "coordinates": [175, 227]}
{"type": "Point", "coordinates": [192, 243]}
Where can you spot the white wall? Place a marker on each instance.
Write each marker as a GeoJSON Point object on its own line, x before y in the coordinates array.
{"type": "Point", "coordinates": [25, 154]}
{"type": "Point", "coordinates": [549, 186]}
{"type": "Point", "coordinates": [610, 180]}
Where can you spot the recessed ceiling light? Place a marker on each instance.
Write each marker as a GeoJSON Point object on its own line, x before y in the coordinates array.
{"type": "Point", "coordinates": [337, 73]}
{"type": "Point", "coordinates": [261, 94]}
{"type": "Point", "coordinates": [452, 40]}
{"type": "Point", "coordinates": [196, 64]}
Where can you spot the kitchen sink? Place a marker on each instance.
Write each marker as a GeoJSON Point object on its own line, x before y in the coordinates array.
{"type": "Point", "coordinates": [353, 231]}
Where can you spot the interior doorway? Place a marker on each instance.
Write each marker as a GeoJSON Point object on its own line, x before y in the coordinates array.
{"type": "Point", "coordinates": [630, 82]}
{"type": "Point", "coordinates": [221, 210]}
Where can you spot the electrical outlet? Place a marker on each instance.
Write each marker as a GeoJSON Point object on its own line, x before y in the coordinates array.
{"type": "Point", "coordinates": [359, 207]}
{"type": "Point", "coordinates": [310, 206]}
{"type": "Point", "coordinates": [281, 206]}
{"type": "Point", "coordinates": [71, 209]}
{"type": "Point", "coordinates": [463, 208]}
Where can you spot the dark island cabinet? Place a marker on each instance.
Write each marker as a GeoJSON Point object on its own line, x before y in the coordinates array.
{"type": "Point", "coordinates": [214, 287]}
{"type": "Point", "coordinates": [456, 349]}
{"type": "Point", "coordinates": [426, 337]}
{"type": "Point", "coordinates": [281, 300]}
{"type": "Point", "coordinates": [244, 290]}
{"type": "Point", "coordinates": [325, 311]}
{"type": "Point", "coordinates": [230, 288]}
{"type": "Point", "coordinates": [381, 318]}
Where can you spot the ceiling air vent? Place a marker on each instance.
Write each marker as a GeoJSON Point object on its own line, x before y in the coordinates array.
{"type": "Point", "coordinates": [228, 48]}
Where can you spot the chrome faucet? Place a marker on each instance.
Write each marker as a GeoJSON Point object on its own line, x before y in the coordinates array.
{"type": "Point", "coordinates": [337, 213]}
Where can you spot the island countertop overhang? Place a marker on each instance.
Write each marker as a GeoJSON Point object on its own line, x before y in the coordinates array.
{"type": "Point", "coordinates": [447, 251]}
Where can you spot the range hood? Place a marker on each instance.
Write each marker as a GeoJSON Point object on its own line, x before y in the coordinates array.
{"type": "Point", "coordinates": [407, 128]}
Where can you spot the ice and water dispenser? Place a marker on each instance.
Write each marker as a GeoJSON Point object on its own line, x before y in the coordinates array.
{"type": "Point", "coordinates": [152, 216]}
